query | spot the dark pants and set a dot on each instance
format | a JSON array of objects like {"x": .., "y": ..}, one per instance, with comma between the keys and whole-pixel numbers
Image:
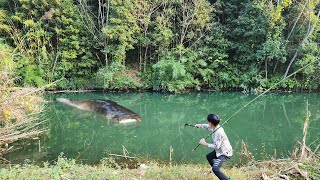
[{"x": 217, "y": 164}]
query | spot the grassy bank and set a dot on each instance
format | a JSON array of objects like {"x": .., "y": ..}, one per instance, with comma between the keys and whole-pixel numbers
[{"x": 68, "y": 169}]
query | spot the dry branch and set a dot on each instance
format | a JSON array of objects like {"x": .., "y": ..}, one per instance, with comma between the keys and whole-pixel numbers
[
  {"x": 292, "y": 168},
  {"x": 19, "y": 113},
  {"x": 245, "y": 153}
]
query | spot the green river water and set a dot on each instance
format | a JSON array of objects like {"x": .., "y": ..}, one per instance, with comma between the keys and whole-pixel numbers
[{"x": 270, "y": 125}]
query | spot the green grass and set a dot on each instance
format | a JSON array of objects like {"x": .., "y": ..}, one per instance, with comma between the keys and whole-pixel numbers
[{"x": 68, "y": 169}]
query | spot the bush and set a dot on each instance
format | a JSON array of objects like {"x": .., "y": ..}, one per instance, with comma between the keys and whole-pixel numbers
[
  {"x": 171, "y": 75},
  {"x": 116, "y": 77}
]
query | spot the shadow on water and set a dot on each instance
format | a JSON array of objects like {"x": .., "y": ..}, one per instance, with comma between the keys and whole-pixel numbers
[{"x": 274, "y": 121}]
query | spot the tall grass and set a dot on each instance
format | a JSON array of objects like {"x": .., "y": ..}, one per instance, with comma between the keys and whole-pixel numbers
[{"x": 304, "y": 163}]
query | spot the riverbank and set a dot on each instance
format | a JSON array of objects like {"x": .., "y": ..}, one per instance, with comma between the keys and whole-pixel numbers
[{"x": 68, "y": 169}]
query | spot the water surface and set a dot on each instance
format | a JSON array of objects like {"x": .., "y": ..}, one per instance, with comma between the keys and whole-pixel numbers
[{"x": 270, "y": 126}]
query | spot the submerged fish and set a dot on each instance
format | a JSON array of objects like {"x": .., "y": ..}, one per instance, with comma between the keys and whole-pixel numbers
[{"x": 108, "y": 108}]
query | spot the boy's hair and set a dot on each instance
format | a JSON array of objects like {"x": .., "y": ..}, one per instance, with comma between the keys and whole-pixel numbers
[{"x": 214, "y": 119}]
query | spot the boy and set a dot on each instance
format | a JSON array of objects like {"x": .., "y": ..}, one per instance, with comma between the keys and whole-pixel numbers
[{"x": 222, "y": 150}]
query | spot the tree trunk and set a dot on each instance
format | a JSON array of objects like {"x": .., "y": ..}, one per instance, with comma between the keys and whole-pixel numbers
[
  {"x": 295, "y": 23},
  {"x": 303, "y": 41}
]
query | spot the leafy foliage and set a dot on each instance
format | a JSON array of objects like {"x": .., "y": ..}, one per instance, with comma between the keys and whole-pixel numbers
[
  {"x": 225, "y": 45},
  {"x": 122, "y": 29},
  {"x": 170, "y": 75},
  {"x": 115, "y": 77},
  {"x": 49, "y": 47}
]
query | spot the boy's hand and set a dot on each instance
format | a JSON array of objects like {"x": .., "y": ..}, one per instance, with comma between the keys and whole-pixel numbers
[
  {"x": 197, "y": 125},
  {"x": 203, "y": 142}
]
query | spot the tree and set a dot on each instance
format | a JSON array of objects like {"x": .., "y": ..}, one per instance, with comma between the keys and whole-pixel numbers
[
  {"x": 122, "y": 29},
  {"x": 51, "y": 40}
]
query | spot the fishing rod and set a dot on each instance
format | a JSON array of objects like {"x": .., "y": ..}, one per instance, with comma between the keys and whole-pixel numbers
[{"x": 253, "y": 101}]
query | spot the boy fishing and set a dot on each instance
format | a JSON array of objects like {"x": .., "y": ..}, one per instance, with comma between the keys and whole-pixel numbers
[{"x": 222, "y": 149}]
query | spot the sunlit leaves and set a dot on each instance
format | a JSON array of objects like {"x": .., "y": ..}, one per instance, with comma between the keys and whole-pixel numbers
[
  {"x": 29, "y": 23},
  {"x": 3, "y": 27},
  {"x": 6, "y": 62}
]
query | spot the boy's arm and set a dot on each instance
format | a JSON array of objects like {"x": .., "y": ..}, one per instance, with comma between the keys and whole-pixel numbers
[
  {"x": 217, "y": 141},
  {"x": 205, "y": 126}
]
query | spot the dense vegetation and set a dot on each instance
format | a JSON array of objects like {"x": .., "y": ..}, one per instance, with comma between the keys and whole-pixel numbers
[
  {"x": 169, "y": 45},
  {"x": 19, "y": 107}
]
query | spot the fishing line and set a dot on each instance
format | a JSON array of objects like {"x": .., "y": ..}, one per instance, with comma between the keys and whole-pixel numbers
[
  {"x": 84, "y": 145},
  {"x": 252, "y": 102},
  {"x": 186, "y": 124}
]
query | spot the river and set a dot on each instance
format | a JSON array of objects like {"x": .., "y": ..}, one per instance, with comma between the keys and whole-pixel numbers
[{"x": 270, "y": 126}]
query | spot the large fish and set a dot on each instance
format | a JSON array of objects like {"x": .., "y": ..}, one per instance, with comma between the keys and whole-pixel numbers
[{"x": 108, "y": 108}]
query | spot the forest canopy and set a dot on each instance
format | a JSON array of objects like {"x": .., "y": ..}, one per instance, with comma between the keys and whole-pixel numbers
[{"x": 163, "y": 45}]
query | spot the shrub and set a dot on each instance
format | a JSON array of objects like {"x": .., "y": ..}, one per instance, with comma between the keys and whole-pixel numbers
[
  {"x": 116, "y": 77},
  {"x": 171, "y": 75}
]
